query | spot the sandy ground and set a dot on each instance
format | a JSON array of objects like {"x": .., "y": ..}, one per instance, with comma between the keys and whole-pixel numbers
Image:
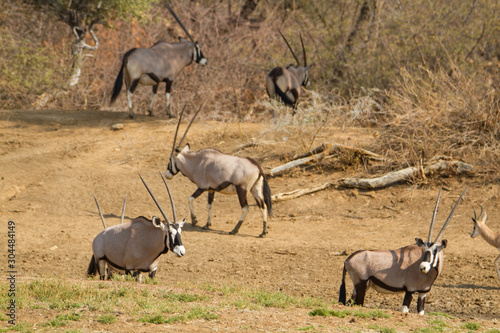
[{"x": 52, "y": 162}]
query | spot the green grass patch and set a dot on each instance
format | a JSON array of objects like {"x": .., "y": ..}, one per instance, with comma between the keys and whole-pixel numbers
[
  {"x": 193, "y": 314},
  {"x": 471, "y": 326},
  {"x": 323, "y": 312},
  {"x": 381, "y": 329},
  {"x": 106, "y": 319}
]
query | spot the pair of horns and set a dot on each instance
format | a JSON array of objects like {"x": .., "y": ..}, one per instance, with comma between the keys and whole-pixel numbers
[
  {"x": 179, "y": 21},
  {"x": 158, "y": 204},
  {"x": 440, "y": 234},
  {"x": 185, "y": 132},
  {"x": 477, "y": 216},
  {"x": 293, "y": 53},
  {"x": 102, "y": 216}
]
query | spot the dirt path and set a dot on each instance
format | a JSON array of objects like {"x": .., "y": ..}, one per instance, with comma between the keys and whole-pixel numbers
[{"x": 51, "y": 163}]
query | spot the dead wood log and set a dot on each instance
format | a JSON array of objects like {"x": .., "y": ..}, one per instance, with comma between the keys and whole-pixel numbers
[
  {"x": 299, "y": 192},
  {"x": 282, "y": 168},
  {"x": 406, "y": 174},
  {"x": 389, "y": 179}
]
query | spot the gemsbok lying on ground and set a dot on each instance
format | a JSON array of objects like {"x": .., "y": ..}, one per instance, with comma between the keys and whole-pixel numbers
[
  {"x": 284, "y": 83},
  {"x": 160, "y": 63},
  {"x": 136, "y": 247},
  {"x": 213, "y": 171},
  {"x": 480, "y": 228},
  {"x": 410, "y": 269}
]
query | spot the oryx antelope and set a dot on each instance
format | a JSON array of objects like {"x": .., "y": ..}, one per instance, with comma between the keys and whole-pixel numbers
[
  {"x": 213, "y": 171},
  {"x": 410, "y": 269},
  {"x": 135, "y": 247},
  {"x": 284, "y": 83},
  {"x": 480, "y": 228},
  {"x": 160, "y": 63}
]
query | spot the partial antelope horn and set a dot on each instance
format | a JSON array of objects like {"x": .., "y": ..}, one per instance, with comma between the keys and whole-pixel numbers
[
  {"x": 189, "y": 125},
  {"x": 178, "y": 21},
  {"x": 438, "y": 237},
  {"x": 156, "y": 202},
  {"x": 429, "y": 239},
  {"x": 303, "y": 51},
  {"x": 177, "y": 128},
  {"x": 123, "y": 209},
  {"x": 100, "y": 212},
  {"x": 174, "y": 213},
  {"x": 290, "y": 48}
]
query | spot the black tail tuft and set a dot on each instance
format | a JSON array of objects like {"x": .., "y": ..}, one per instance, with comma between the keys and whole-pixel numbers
[
  {"x": 342, "y": 292},
  {"x": 92, "y": 270},
  {"x": 119, "y": 79},
  {"x": 284, "y": 97},
  {"x": 267, "y": 197}
]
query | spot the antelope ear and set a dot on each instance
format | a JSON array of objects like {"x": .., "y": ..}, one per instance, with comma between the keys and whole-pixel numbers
[
  {"x": 420, "y": 242},
  {"x": 157, "y": 222},
  {"x": 181, "y": 223},
  {"x": 186, "y": 148},
  {"x": 444, "y": 242},
  {"x": 183, "y": 40}
]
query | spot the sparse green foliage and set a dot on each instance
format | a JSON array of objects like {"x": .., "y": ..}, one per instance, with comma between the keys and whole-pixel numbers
[
  {"x": 471, "y": 326},
  {"x": 106, "y": 319}
]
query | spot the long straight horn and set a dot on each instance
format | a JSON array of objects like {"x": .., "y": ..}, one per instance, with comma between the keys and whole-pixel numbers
[
  {"x": 123, "y": 209},
  {"x": 171, "y": 198},
  {"x": 429, "y": 239},
  {"x": 177, "y": 128},
  {"x": 303, "y": 51},
  {"x": 185, "y": 132},
  {"x": 290, "y": 48},
  {"x": 178, "y": 21},
  {"x": 156, "y": 202},
  {"x": 438, "y": 237},
  {"x": 100, "y": 212}
]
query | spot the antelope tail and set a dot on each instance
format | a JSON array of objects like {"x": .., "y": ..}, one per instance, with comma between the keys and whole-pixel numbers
[
  {"x": 92, "y": 270},
  {"x": 119, "y": 79},
  {"x": 267, "y": 197},
  {"x": 283, "y": 96},
  {"x": 342, "y": 296}
]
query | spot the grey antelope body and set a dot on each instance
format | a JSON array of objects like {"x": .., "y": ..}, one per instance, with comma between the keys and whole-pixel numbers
[
  {"x": 136, "y": 246},
  {"x": 410, "y": 269},
  {"x": 285, "y": 83},
  {"x": 151, "y": 66},
  {"x": 493, "y": 238},
  {"x": 213, "y": 171}
]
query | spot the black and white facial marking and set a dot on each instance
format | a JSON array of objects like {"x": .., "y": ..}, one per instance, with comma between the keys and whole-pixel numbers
[
  {"x": 198, "y": 55},
  {"x": 173, "y": 240},
  {"x": 431, "y": 254}
]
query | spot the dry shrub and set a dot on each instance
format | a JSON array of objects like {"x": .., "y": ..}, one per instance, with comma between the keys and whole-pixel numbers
[{"x": 442, "y": 113}]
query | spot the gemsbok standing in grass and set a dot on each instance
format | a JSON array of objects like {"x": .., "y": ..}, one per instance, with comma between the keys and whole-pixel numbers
[
  {"x": 410, "y": 269},
  {"x": 160, "y": 63},
  {"x": 480, "y": 228},
  {"x": 284, "y": 83},
  {"x": 135, "y": 247},
  {"x": 213, "y": 171}
]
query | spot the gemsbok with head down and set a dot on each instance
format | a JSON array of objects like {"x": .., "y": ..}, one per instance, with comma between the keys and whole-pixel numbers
[
  {"x": 213, "y": 171},
  {"x": 160, "y": 63},
  {"x": 284, "y": 83},
  {"x": 480, "y": 228},
  {"x": 135, "y": 247},
  {"x": 410, "y": 269}
]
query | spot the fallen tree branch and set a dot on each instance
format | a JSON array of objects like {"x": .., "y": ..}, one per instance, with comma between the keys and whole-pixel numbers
[
  {"x": 335, "y": 147},
  {"x": 299, "y": 192},
  {"x": 282, "y": 168},
  {"x": 389, "y": 179},
  {"x": 406, "y": 174}
]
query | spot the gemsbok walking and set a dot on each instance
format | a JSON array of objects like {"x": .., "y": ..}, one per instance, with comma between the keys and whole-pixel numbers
[
  {"x": 410, "y": 269},
  {"x": 135, "y": 247},
  {"x": 284, "y": 83},
  {"x": 213, "y": 171},
  {"x": 480, "y": 228},
  {"x": 160, "y": 63}
]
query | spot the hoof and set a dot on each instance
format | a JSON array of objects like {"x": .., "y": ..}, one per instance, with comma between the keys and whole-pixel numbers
[
  {"x": 132, "y": 116},
  {"x": 263, "y": 235},
  {"x": 194, "y": 222},
  {"x": 206, "y": 227},
  {"x": 170, "y": 115},
  {"x": 234, "y": 232}
]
